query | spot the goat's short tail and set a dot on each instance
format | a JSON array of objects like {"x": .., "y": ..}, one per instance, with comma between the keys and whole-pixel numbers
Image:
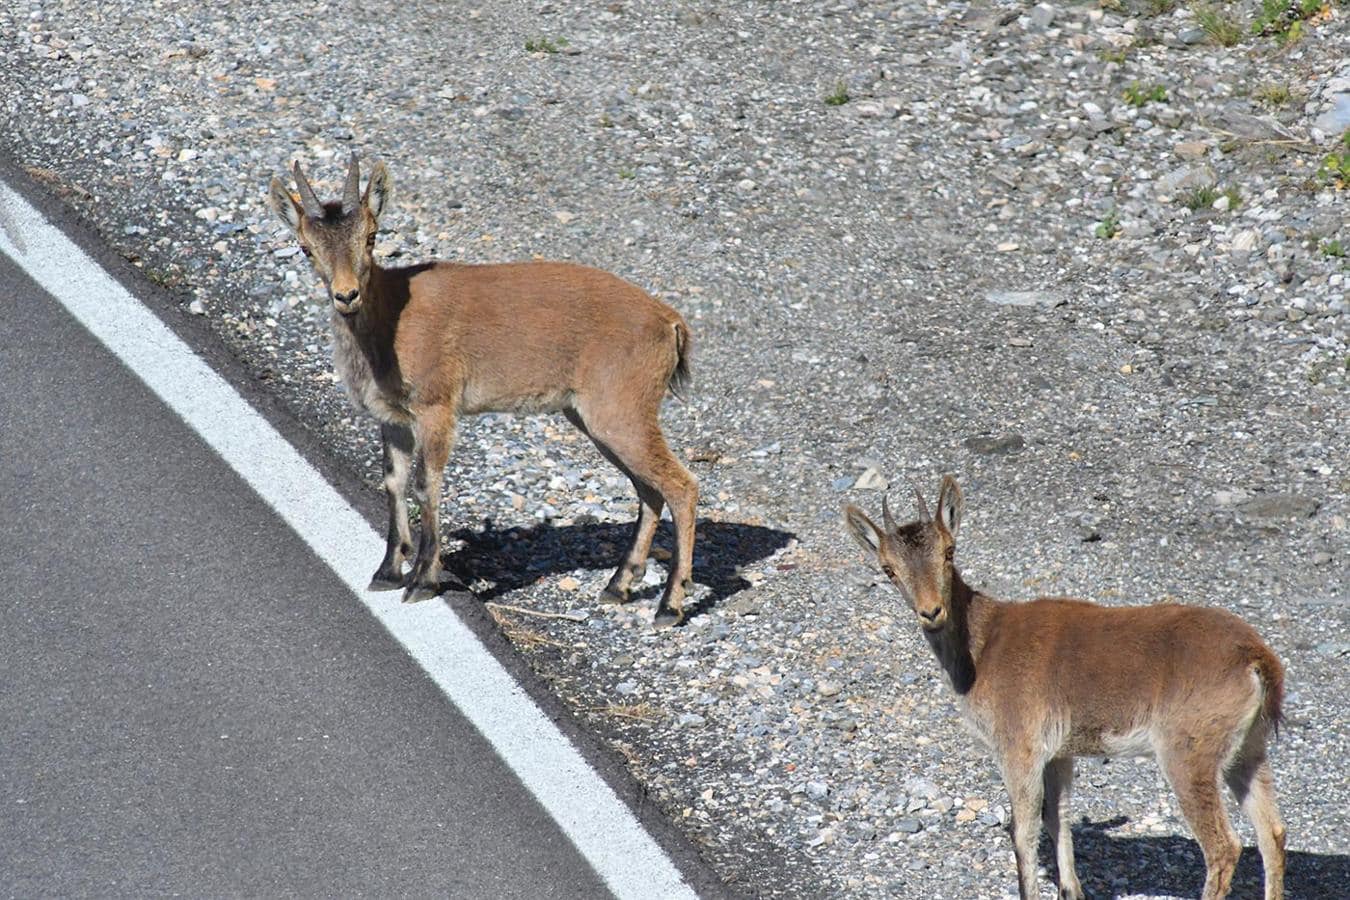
[
  {"x": 1271, "y": 672},
  {"x": 681, "y": 376}
]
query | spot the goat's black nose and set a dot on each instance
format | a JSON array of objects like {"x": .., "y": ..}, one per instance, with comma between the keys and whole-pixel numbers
[{"x": 346, "y": 297}]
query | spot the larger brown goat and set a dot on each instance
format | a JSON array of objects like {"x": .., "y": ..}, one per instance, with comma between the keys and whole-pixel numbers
[
  {"x": 419, "y": 346},
  {"x": 1045, "y": 681}
]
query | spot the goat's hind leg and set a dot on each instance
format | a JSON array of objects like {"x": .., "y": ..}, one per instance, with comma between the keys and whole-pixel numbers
[
  {"x": 1253, "y": 784},
  {"x": 1195, "y": 778},
  {"x": 1058, "y": 781},
  {"x": 634, "y": 564},
  {"x": 632, "y": 439},
  {"x": 398, "y": 455}
]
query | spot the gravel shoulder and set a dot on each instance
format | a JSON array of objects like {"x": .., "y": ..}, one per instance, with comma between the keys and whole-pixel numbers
[{"x": 1083, "y": 256}]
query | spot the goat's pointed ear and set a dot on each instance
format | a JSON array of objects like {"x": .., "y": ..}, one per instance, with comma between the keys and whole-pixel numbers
[
  {"x": 377, "y": 189},
  {"x": 950, "y": 505},
  {"x": 284, "y": 205},
  {"x": 864, "y": 531}
]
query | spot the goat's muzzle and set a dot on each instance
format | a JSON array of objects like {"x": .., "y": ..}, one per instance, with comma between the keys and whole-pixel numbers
[
  {"x": 932, "y": 619},
  {"x": 347, "y": 302}
]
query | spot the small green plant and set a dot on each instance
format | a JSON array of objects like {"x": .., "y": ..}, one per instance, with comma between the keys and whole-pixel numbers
[
  {"x": 1109, "y": 226},
  {"x": 1273, "y": 95},
  {"x": 1336, "y": 166},
  {"x": 627, "y": 174},
  {"x": 1333, "y": 249},
  {"x": 1320, "y": 370},
  {"x": 545, "y": 45},
  {"x": 1200, "y": 198},
  {"x": 839, "y": 96},
  {"x": 1139, "y": 94},
  {"x": 1283, "y": 19},
  {"x": 1117, "y": 55},
  {"x": 1161, "y": 7},
  {"x": 1234, "y": 198},
  {"x": 1222, "y": 28}
]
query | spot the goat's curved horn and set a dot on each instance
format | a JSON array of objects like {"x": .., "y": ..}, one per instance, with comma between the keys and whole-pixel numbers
[
  {"x": 886, "y": 519},
  {"x": 308, "y": 202},
  {"x": 351, "y": 193},
  {"x": 923, "y": 507}
]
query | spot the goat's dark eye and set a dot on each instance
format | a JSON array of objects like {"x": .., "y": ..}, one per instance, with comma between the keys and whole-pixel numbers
[
  {"x": 950, "y": 554},
  {"x": 888, "y": 571},
  {"x": 305, "y": 250}
]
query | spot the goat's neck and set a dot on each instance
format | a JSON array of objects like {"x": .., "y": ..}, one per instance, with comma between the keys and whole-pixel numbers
[{"x": 958, "y": 645}]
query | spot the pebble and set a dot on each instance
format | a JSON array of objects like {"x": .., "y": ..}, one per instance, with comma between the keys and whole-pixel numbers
[
  {"x": 829, "y": 688},
  {"x": 1042, "y": 16},
  {"x": 1191, "y": 149},
  {"x": 870, "y": 480},
  {"x": 1042, "y": 299}
]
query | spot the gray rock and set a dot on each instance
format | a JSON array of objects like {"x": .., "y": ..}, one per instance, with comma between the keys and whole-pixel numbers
[
  {"x": 1041, "y": 299},
  {"x": 1245, "y": 126},
  {"x": 1336, "y": 119},
  {"x": 871, "y": 480},
  {"x": 923, "y": 787},
  {"x": 873, "y": 109},
  {"x": 1186, "y": 178},
  {"x": 1042, "y": 16},
  {"x": 829, "y": 688},
  {"x": 909, "y": 825},
  {"x": 1280, "y": 506}
]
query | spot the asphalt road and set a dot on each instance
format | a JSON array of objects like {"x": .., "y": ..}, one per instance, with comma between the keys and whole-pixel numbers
[{"x": 192, "y": 702}]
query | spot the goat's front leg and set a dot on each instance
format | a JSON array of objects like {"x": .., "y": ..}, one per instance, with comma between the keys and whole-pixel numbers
[
  {"x": 435, "y": 431},
  {"x": 1026, "y": 791},
  {"x": 398, "y": 454}
]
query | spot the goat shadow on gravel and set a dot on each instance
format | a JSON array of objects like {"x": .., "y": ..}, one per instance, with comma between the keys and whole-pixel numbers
[
  {"x": 513, "y": 558},
  {"x": 1172, "y": 865}
]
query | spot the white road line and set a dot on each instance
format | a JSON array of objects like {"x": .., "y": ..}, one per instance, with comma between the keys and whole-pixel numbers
[{"x": 601, "y": 827}]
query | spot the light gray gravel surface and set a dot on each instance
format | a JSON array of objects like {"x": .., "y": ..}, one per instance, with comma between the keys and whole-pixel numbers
[{"x": 1122, "y": 326}]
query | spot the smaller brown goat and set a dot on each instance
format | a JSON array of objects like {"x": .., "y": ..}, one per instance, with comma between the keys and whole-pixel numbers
[
  {"x": 1051, "y": 679},
  {"x": 419, "y": 346}
]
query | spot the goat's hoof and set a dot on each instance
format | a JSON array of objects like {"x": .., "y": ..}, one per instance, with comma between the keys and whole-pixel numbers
[
  {"x": 667, "y": 616},
  {"x": 416, "y": 593},
  {"x": 382, "y": 581},
  {"x": 612, "y": 597}
]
